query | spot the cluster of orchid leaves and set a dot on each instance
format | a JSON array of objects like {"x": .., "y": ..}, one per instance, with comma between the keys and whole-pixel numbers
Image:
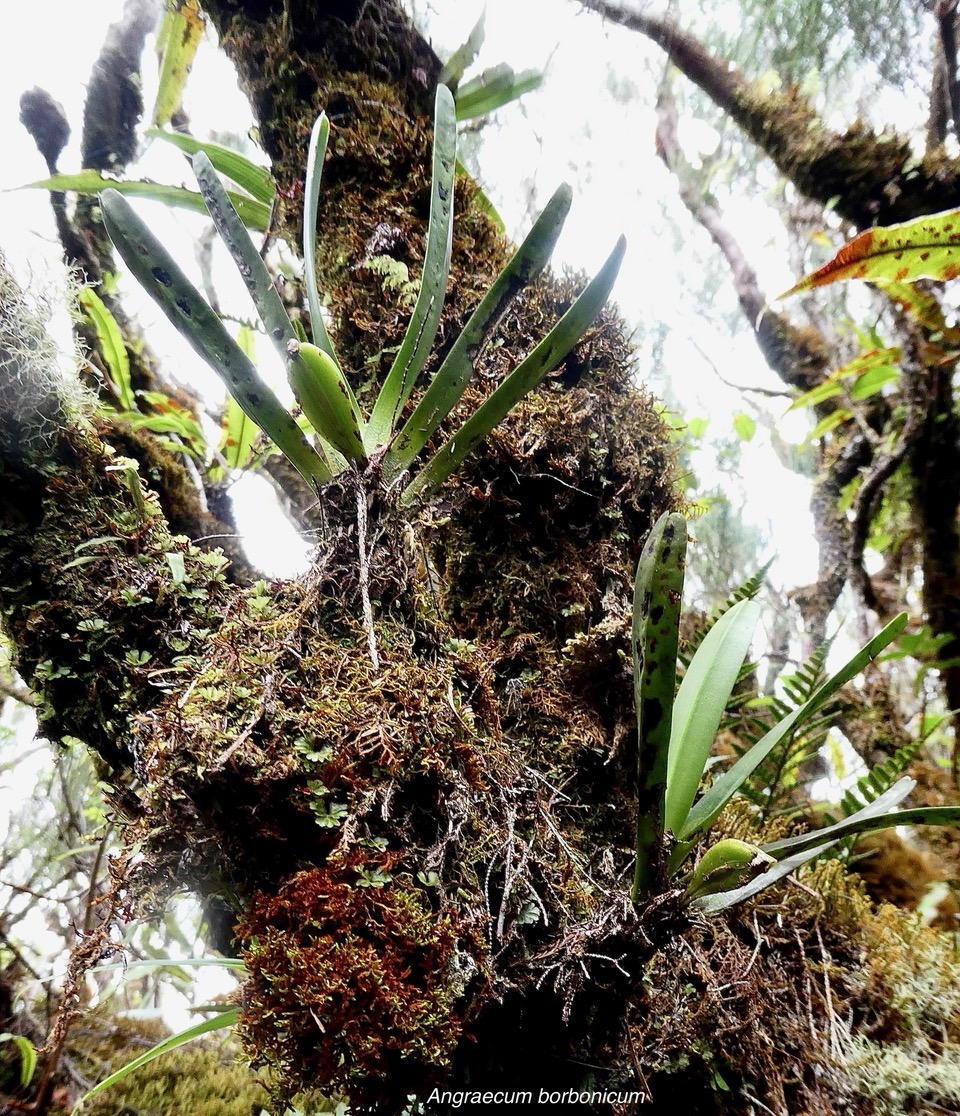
[
  {"x": 343, "y": 436},
  {"x": 676, "y": 729}
]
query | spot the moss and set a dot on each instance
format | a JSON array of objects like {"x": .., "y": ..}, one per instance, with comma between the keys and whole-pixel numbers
[
  {"x": 805, "y": 1006},
  {"x": 354, "y": 983},
  {"x": 203, "y": 1079},
  {"x": 95, "y": 658},
  {"x": 875, "y": 178}
]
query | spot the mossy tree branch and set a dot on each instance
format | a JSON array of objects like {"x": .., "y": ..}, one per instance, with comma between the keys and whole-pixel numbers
[{"x": 875, "y": 178}]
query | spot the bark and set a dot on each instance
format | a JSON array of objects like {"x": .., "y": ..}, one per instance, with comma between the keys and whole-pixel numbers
[{"x": 875, "y": 179}]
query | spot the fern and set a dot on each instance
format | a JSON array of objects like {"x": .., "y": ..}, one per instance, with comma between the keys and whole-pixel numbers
[
  {"x": 879, "y": 778},
  {"x": 771, "y": 786},
  {"x": 746, "y": 592}
]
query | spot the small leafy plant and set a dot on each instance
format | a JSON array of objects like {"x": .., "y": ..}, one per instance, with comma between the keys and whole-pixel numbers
[
  {"x": 344, "y": 436},
  {"x": 676, "y": 728},
  {"x": 224, "y": 1017}
]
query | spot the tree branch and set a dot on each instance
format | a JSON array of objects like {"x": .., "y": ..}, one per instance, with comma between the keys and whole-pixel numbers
[
  {"x": 798, "y": 355},
  {"x": 874, "y": 179},
  {"x": 946, "y": 15},
  {"x": 918, "y": 403}
]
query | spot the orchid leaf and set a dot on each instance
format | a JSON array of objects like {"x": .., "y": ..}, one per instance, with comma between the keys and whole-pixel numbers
[
  {"x": 239, "y": 431},
  {"x": 177, "y": 41},
  {"x": 253, "y": 270},
  {"x": 250, "y": 176},
  {"x": 465, "y": 54},
  {"x": 705, "y": 812},
  {"x": 871, "y": 818},
  {"x": 868, "y": 372},
  {"x": 111, "y": 346},
  {"x": 701, "y": 700},
  {"x": 418, "y": 340},
  {"x": 451, "y": 379},
  {"x": 808, "y": 848},
  {"x": 316, "y": 151},
  {"x": 494, "y": 88},
  {"x": 186, "y": 308},
  {"x": 254, "y": 214},
  {"x": 221, "y": 1021},
  {"x": 554, "y": 348},
  {"x": 28, "y": 1056},
  {"x": 655, "y": 635}
]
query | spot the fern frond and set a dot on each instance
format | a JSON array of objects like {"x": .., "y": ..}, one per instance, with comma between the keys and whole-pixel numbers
[{"x": 879, "y": 778}]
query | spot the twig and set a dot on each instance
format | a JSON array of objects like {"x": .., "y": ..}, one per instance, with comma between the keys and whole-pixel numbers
[{"x": 10, "y": 689}]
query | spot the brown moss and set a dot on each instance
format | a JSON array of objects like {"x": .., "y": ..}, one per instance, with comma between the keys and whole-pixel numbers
[{"x": 354, "y": 987}]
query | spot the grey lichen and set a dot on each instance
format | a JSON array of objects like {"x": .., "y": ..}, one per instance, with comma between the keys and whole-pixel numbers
[{"x": 40, "y": 393}]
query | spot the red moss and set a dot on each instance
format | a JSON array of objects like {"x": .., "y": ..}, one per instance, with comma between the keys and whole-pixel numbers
[{"x": 352, "y": 987}]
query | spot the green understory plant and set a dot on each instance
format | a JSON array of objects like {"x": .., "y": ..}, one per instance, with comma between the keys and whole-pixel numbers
[
  {"x": 224, "y": 1017},
  {"x": 676, "y": 728},
  {"x": 343, "y": 436}
]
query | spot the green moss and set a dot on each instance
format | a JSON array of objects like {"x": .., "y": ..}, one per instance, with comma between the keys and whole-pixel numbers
[{"x": 202, "y": 1079}]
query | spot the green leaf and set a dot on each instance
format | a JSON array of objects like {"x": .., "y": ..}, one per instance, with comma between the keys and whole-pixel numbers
[
  {"x": 494, "y": 88},
  {"x": 256, "y": 180},
  {"x": 135, "y": 968},
  {"x": 807, "y": 848},
  {"x": 869, "y": 818},
  {"x": 708, "y": 808},
  {"x": 168, "y": 417},
  {"x": 183, "y": 304},
  {"x": 319, "y": 135},
  {"x": 874, "y": 381},
  {"x": 465, "y": 54},
  {"x": 830, "y": 422},
  {"x": 451, "y": 379},
  {"x": 178, "y": 570},
  {"x": 111, "y": 345},
  {"x": 524, "y": 378},
  {"x": 700, "y": 703},
  {"x": 254, "y": 213},
  {"x": 180, "y": 33},
  {"x": 925, "y": 248},
  {"x": 253, "y": 271},
  {"x": 28, "y": 1056},
  {"x": 483, "y": 202},
  {"x": 219, "y": 1022},
  {"x": 418, "y": 340},
  {"x": 868, "y": 366},
  {"x": 239, "y": 432},
  {"x": 744, "y": 426},
  {"x": 657, "y": 593}
]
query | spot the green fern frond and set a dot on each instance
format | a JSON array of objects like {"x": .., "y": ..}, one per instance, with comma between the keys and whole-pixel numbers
[
  {"x": 772, "y": 785},
  {"x": 879, "y": 778},
  {"x": 745, "y": 592}
]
